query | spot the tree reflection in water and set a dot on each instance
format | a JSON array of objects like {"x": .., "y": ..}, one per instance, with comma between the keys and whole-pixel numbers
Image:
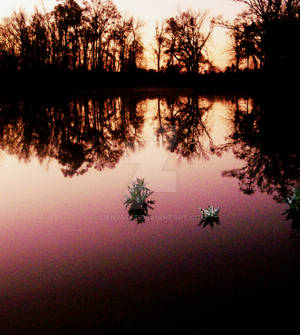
[
  {"x": 79, "y": 134},
  {"x": 265, "y": 137},
  {"x": 95, "y": 132},
  {"x": 183, "y": 126}
]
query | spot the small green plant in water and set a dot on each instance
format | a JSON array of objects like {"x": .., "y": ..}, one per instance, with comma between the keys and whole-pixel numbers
[
  {"x": 138, "y": 194},
  {"x": 210, "y": 212},
  {"x": 293, "y": 213},
  {"x": 137, "y": 202},
  {"x": 210, "y": 216},
  {"x": 294, "y": 200}
]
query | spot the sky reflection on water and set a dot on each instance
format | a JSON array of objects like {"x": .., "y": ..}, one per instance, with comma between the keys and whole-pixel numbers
[{"x": 72, "y": 259}]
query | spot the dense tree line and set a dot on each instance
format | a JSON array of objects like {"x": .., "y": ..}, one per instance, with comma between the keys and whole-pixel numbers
[
  {"x": 265, "y": 34},
  {"x": 93, "y": 35}
]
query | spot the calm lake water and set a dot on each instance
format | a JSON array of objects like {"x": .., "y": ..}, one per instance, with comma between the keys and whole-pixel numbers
[{"x": 73, "y": 261}]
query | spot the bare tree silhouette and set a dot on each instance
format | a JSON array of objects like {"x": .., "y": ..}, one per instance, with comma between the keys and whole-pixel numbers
[{"x": 186, "y": 40}]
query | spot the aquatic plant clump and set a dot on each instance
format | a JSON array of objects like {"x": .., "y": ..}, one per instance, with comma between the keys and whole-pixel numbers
[
  {"x": 293, "y": 212},
  {"x": 138, "y": 194},
  {"x": 210, "y": 216},
  {"x": 210, "y": 212},
  {"x": 137, "y": 203},
  {"x": 294, "y": 200}
]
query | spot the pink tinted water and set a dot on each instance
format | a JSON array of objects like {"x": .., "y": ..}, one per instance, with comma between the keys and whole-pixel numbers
[{"x": 70, "y": 253}]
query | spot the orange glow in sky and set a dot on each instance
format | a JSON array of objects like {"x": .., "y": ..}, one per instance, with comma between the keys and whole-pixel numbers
[{"x": 150, "y": 12}]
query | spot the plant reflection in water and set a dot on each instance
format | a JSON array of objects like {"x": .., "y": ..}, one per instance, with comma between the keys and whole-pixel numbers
[{"x": 137, "y": 203}]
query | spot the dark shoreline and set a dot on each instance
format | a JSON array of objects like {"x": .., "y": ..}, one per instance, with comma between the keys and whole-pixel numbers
[{"x": 43, "y": 84}]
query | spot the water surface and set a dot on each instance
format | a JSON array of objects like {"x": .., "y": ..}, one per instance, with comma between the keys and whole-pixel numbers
[{"x": 73, "y": 261}]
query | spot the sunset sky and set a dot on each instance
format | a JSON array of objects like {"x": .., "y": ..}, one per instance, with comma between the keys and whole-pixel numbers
[{"x": 152, "y": 11}]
